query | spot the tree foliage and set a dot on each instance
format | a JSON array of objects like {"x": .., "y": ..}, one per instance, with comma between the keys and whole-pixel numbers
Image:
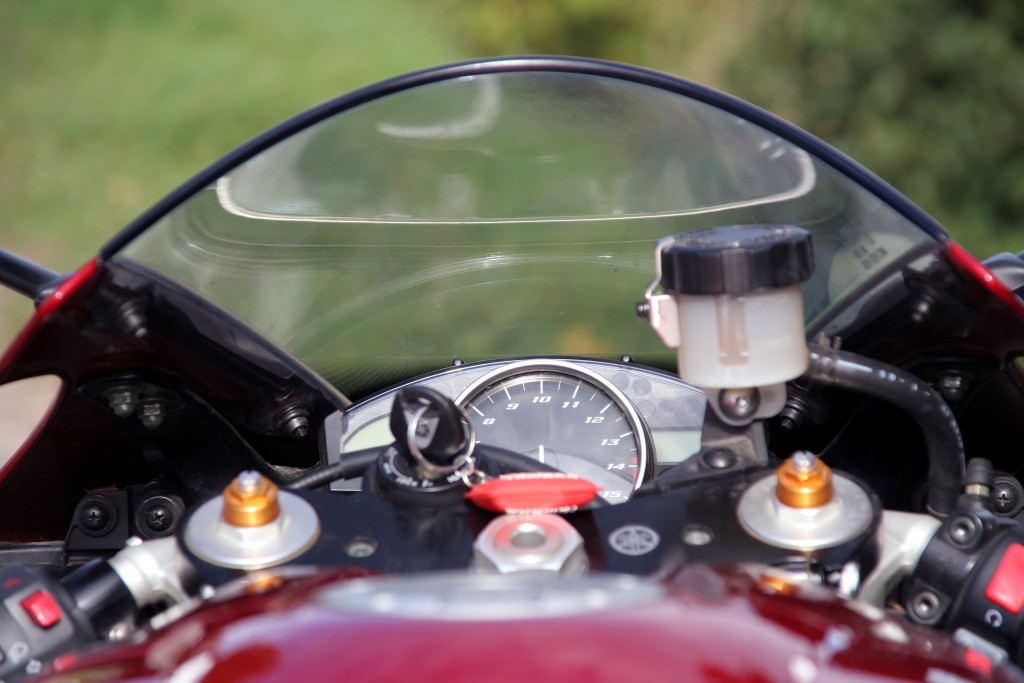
[{"x": 929, "y": 94}]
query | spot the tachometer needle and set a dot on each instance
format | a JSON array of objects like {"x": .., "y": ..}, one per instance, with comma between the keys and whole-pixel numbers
[{"x": 540, "y": 452}]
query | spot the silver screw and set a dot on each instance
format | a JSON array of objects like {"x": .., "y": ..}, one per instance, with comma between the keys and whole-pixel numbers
[
  {"x": 249, "y": 481},
  {"x": 151, "y": 414},
  {"x": 953, "y": 386},
  {"x": 926, "y": 607},
  {"x": 360, "y": 547},
  {"x": 804, "y": 461},
  {"x": 122, "y": 403},
  {"x": 739, "y": 404}
]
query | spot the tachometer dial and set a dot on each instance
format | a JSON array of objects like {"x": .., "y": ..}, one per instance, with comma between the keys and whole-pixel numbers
[{"x": 564, "y": 416}]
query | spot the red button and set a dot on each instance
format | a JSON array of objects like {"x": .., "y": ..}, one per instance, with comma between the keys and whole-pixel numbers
[
  {"x": 977, "y": 661},
  {"x": 42, "y": 609},
  {"x": 1006, "y": 588}
]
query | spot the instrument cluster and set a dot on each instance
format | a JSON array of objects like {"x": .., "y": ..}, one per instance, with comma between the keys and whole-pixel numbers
[{"x": 614, "y": 423}]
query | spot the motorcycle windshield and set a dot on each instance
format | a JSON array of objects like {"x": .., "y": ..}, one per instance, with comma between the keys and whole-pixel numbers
[{"x": 510, "y": 213}]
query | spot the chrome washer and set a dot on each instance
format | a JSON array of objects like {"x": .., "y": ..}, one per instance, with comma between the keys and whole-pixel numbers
[
  {"x": 215, "y": 541},
  {"x": 842, "y": 519}
]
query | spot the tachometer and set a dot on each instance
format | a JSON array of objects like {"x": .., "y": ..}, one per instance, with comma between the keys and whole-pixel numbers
[{"x": 564, "y": 416}]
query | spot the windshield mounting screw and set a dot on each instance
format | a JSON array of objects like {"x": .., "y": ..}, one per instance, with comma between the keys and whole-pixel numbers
[
  {"x": 132, "y": 319},
  {"x": 297, "y": 427},
  {"x": 294, "y": 422}
]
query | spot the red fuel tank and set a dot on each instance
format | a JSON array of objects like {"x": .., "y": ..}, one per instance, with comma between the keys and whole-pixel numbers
[{"x": 701, "y": 624}]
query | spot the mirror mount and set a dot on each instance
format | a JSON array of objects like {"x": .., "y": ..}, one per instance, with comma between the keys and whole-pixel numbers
[{"x": 26, "y": 277}]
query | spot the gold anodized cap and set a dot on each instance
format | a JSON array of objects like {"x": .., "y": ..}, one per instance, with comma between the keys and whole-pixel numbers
[
  {"x": 251, "y": 500},
  {"x": 804, "y": 481}
]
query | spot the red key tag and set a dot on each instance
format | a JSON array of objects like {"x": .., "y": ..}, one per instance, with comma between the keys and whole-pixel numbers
[{"x": 533, "y": 493}]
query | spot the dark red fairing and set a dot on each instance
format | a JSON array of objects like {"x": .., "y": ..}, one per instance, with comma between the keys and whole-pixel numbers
[
  {"x": 188, "y": 347},
  {"x": 715, "y": 625},
  {"x": 965, "y": 262}
]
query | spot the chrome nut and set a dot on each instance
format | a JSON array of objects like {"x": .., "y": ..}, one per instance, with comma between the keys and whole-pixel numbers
[{"x": 530, "y": 543}]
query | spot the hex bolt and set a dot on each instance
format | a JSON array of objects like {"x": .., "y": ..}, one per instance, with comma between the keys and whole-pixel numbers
[
  {"x": 294, "y": 423},
  {"x": 804, "y": 481},
  {"x": 298, "y": 428},
  {"x": 122, "y": 403},
  {"x": 963, "y": 531},
  {"x": 151, "y": 414},
  {"x": 953, "y": 386},
  {"x": 251, "y": 500},
  {"x": 926, "y": 607}
]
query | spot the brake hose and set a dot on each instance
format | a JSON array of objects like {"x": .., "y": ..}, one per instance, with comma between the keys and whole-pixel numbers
[{"x": 889, "y": 383}]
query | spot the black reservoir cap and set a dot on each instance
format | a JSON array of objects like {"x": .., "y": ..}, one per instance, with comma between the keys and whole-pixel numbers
[{"x": 737, "y": 259}]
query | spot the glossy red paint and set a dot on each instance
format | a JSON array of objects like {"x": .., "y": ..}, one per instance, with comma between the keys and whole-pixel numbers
[
  {"x": 712, "y": 625},
  {"x": 67, "y": 290},
  {"x": 75, "y": 283},
  {"x": 965, "y": 262}
]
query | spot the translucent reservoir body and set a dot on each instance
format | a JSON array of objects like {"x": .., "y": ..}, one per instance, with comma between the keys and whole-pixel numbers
[{"x": 751, "y": 340}]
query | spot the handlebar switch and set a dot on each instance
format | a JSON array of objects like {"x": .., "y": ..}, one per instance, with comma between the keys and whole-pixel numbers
[{"x": 38, "y": 621}]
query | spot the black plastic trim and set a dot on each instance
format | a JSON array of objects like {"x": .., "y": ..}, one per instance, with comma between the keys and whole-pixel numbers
[{"x": 26, "y": 277}]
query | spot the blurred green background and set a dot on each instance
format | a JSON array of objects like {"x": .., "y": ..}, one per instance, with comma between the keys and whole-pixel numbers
[{"x": 107, "y": 105}]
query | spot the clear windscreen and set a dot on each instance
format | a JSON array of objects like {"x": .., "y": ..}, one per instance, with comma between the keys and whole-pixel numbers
[{"x": 497, "y": 215}]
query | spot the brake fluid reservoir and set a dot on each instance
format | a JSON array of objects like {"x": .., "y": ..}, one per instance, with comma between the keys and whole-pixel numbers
[{"x": 733, "y": 305}]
